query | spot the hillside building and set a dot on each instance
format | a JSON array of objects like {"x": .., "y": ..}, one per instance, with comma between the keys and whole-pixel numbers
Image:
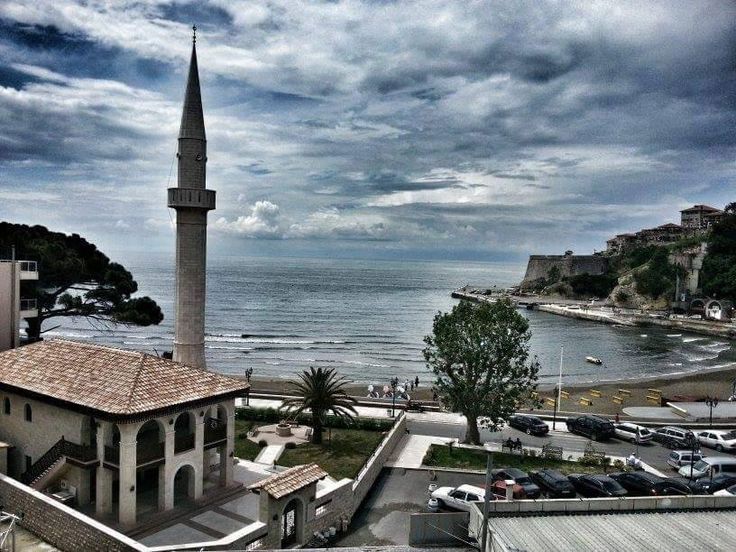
[{"x": 700, "y": 217}]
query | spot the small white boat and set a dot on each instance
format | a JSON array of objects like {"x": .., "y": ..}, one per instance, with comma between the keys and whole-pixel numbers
[{"x": 593, "y": 360}]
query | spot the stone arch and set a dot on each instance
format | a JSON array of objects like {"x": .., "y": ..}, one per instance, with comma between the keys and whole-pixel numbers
[
  {"x": 150, "y": 441},
  {"x": 292, "y": 522},
  {"x": 184, "y": 484},
  {"x": 184, "y": 432}
]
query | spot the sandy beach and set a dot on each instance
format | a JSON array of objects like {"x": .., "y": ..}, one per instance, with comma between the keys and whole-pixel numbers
[{"x": 676, "y": 386}]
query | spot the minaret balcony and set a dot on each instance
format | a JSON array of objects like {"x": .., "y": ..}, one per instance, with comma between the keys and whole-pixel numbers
[{"x": 191, "y": 198}]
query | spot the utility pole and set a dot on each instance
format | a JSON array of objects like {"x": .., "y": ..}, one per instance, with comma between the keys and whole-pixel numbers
[
  {"x": 487, "y": 499},
  {"x": 559, "y": 390}
]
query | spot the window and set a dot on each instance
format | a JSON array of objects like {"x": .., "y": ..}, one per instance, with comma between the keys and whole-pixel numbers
[
  {"x": 28, "y": 413},
  {"x": 458, "y": 494},
  {"x": 320, "y": 510},
  {"x": 6, "y": 405}
]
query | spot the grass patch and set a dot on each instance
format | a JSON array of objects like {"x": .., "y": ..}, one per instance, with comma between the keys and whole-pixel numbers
[
  {"x": 468, "y": 459},
  {"x": 244, "y": 447},
  {"x": 349, "y": 450}
]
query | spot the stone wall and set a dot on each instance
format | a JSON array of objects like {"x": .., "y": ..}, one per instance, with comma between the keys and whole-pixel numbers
[
  {"x": 539, "y": 266},
  {"x": 367, "y": 476},
  {"x": 60, "y": 525}
]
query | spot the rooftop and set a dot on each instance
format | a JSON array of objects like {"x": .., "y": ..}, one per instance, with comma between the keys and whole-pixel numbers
[
  {"x": 293, "y": 479},
  {"x": 698, "y": 208},
  {"x": 623, "y": 532},
  {"x": 108, "y": 380}
]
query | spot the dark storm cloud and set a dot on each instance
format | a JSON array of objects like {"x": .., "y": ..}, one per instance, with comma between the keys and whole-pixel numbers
[{"x": 508, "y": 126}]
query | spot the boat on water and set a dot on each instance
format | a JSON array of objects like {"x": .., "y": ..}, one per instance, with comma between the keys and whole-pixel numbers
[{"x": 593, "y": 360}]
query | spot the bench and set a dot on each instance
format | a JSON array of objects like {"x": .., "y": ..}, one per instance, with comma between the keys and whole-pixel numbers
[
  {"x": 552, "y": 451},
  {"x": 564, "y": 395},
  {"x": 654, "y": 391},
  {"x": 624, "y": 392},
  {"x": 550, "y": 401},
  {"x": 584, "y": 401},
  {"x": 596, "y": 393},
  {"x": 618, "y": 400},
  {"x": 511, "y": 445},
  {"x": 656, "y": 399}
]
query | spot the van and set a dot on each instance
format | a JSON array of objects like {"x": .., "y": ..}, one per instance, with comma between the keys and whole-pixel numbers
[
  {"x": 710, "y": 466},
  {"x": 591, "y": 426}
]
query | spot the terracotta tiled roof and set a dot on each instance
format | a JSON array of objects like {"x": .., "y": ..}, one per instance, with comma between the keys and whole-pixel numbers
[
  {"x": 291, "y": 480},
  {"x": 696, "y": 208},
  {"x": 109, "y": 380}
]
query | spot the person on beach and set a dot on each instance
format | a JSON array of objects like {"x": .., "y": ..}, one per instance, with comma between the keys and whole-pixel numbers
[{"x": 416, "y": 381}]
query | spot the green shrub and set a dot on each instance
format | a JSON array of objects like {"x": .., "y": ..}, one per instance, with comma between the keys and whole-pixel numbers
[
  {"x": 290, "y": 445},
  {"x": 658, "y": 276},
  {"x": 262, "y": 443},
  {"x": 598, "y": 285},
  {"x": 619, "y": 464}
]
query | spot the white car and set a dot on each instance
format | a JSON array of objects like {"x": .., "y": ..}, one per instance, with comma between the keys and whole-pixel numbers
[
  {"x": 459, "y": 498},
  {"x": 718, "y": 439},
  {"x": 633, "y": 433},
  {"x": 729, "y": 491},
  {"x": 679, "y": 458}
]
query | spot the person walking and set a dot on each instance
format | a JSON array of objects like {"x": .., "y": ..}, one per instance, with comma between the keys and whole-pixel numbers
[{"x": 416, "y": 381}]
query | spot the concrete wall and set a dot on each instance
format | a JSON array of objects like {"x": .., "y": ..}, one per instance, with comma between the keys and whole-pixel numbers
[
  {"x": 569, "y": 265},
  {"x": 7, "y": 311},
  {"x": 438, "y": 529},
  {"x": 60, "y": 525},
  {"x": 367, "y": 476},
  {"x": 38, "y": 436}
]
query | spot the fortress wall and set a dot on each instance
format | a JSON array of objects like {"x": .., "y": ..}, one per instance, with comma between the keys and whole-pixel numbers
[{"x": 569, "y": 265}]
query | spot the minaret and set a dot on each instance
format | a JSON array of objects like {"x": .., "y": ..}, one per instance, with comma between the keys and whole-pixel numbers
[{"x": 192, "y": 201}]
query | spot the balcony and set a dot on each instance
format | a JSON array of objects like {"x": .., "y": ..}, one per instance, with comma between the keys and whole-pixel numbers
[
  {"x": 191, "y": 198},
  {"x": 28, "y": 308},
  {"x": 28, "y": 270},
  {"x": 215, "y": 433},
  {"x": 183, "y": 443},
  {"x": 147, "y": 454}
]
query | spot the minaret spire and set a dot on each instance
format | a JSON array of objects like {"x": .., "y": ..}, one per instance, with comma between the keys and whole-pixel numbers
[{"x": 191, "y": 200}]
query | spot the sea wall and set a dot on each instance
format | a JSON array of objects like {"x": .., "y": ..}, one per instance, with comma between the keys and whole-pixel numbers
[{"x": 539, "y": 266}]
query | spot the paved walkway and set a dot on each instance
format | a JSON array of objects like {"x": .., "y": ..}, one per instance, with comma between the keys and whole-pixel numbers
[{"x": 269, "y": 454}]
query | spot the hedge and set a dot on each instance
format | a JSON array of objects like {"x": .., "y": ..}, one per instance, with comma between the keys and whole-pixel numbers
[{"x": 272, "y": 415}]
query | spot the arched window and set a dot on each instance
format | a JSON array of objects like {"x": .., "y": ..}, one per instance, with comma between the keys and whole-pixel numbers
[
  {"x": 28, "y": 413},
  {"x": 6, "y": 405}
]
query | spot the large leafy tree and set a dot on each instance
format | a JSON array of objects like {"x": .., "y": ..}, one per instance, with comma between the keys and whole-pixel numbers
[
  {"x": 77, "y": 279},
  {"x": 479, "y": 354},
  {"x": 320, "y": 391},
  {"x": 718, "y": 276}
]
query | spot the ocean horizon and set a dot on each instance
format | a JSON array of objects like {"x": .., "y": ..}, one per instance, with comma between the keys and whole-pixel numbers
[{"x": 368, "y": 318}]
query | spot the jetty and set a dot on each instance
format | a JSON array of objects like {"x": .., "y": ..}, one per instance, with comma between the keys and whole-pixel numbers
[{"x": 598, "y": 312}]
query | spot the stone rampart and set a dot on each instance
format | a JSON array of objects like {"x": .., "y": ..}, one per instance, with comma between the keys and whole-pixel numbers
[{"x": 539, "y": 266}]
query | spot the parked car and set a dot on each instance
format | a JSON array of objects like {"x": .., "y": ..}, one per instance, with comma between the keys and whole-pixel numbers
[
  {"x": 459, "y": 498},
  {"x": 730, "y": 491},
  {"x": 679, "y": 458},
  {"x": 520, "y": 477},
  {"x": 710, "y": 466},
  {"x": 500, "y": 489},
  {"x": 633, "y": 433},
  {"x": 553, "y": 483},
  {"x": 596, "y": 485},
  {"x": 648, "y": 484},
  {"x": 691, "y": 484},
  {"x": 718, "y": 482},
  {"x": 674, "y": 437},
  {"x": 718, "y": 439},
  {"x": 530, "y": 424},
  {"x": 597, "y": 428}
]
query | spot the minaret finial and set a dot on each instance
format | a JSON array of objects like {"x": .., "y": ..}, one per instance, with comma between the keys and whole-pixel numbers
[{"x": 194, "y": 34}]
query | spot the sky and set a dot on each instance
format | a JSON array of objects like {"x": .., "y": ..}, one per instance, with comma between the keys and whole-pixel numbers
[{"x": 481, "y": 130}]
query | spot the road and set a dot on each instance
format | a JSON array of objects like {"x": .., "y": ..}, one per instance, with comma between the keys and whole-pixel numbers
[{"x": 653, "y": 454}]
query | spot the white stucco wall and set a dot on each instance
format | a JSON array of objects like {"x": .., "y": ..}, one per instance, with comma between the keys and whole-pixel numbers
[{"x": 36, "y": 437}]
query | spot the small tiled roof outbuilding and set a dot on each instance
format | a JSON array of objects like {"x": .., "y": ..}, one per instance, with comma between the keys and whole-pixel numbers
[
  {"x": 291, "y": 480},
  {"x": 109, "y": 380}
]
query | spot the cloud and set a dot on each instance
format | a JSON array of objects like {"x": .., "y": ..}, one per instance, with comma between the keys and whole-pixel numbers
[
  {"x": 370, "y": 121},
  {"x": 262, "y": 222}
]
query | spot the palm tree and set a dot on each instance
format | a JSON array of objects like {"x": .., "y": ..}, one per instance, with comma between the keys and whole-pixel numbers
[{"x": 320, "y": 391}]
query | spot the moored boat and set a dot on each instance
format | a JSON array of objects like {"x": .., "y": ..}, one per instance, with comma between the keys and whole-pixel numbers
[{"x": 593, "y": 360}]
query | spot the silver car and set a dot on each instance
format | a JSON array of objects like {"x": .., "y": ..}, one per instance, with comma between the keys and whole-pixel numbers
[
  {"x": 679, "y": 458},
  {"x": 633, "y": 433}
]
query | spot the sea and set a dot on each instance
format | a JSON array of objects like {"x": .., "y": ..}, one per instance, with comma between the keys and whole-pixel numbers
[{"x": 367, "y": 319}]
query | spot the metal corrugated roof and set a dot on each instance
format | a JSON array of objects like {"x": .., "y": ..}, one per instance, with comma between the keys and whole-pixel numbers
[{"x": 621, "y": 532}]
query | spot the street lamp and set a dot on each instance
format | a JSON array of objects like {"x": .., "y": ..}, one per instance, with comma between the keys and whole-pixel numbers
[
  {"x": 694, "y": 445},
  {"x": 712, "y": 402},
  {"x": 394, "y": 385},
  {"x": 248, "y": 374}
]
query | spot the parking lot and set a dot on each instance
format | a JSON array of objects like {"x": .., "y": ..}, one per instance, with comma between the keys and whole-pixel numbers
[{"x": 383, "y": 519}]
